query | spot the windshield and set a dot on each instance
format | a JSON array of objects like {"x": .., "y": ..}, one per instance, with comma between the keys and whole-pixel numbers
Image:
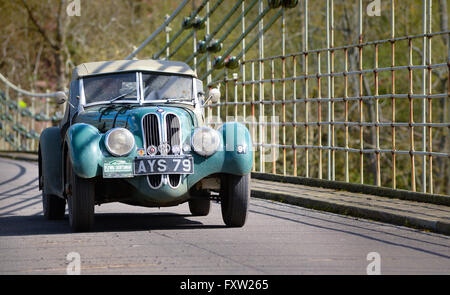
[
  {"x": 122, "y": 87},
  {"x": 112, "y": 87},
  {"x": 166, "y": 87}
]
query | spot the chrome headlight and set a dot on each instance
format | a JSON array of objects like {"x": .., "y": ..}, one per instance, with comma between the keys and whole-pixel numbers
[
  {"x": 205, "y": 141},
  {"x": 119, "y": 141}
]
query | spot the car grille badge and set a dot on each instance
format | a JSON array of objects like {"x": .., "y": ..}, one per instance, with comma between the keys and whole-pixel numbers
[
  {"x": 176, "y": 149},
  {"x": 152, "y": 150},
  {"x": 164, "y": 149},
  {"x": 141, "y": 152}
]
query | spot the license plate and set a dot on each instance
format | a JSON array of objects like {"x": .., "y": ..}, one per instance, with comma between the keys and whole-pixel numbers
[
  {"x": 117, "y": 168},
  {"x": 164, "y": 165}
]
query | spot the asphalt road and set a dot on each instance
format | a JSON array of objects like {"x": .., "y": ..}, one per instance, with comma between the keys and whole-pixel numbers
[{"x": 277, "y": 239}]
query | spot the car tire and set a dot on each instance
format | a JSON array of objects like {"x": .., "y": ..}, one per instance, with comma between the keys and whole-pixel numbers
[
  {"x": 234, "y": 198},
  {"x": 199, "y": 207},
  {"x": 53, "y": 206},
  {"x": 80, "y": 200}
]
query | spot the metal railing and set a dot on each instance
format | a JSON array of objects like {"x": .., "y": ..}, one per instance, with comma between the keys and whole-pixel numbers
[
  {"x": 21, "y": 124},
  {"x": 300, "y": 109}
]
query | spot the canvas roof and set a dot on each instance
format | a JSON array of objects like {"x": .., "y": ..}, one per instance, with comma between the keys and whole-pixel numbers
[{"x": 103, "y": 67}]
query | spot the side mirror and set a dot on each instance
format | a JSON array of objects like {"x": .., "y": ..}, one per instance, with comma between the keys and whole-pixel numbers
[
  {"x": 61, "y": 97},
  {"x": 214, "y": 95}
]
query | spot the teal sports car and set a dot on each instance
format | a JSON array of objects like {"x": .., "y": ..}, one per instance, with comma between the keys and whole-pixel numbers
[{"x": 134, "y": 132}]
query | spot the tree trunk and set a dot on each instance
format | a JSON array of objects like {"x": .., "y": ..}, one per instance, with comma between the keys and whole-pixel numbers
[
  {"x": 57, "y": 44},
  {"x": 60, "y": 43}
]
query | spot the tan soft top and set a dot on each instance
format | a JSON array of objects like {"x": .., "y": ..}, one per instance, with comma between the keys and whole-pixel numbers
[{"x": 103, "y": 67}]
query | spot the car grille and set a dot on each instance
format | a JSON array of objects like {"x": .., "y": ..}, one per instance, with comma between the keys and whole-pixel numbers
[
  {"x": 173, "y": 138},
  {"x": 154, "y": 136}
]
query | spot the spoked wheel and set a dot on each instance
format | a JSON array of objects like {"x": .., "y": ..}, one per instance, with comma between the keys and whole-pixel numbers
[
  {"x": 80, "y": 200},
  {"x": 234, "y": 197},
  {"x": 200, "y": 204}
]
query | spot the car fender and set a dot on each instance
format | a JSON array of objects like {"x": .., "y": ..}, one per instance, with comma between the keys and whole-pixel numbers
[
  {"x": 227, "y": 159},
  {"x": 50, "y": 161},
  {"x": 83, "y": 149},
  {"x": 234, "y": 135}
]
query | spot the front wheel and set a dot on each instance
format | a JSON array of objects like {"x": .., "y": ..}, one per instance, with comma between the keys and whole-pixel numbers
[
  {"x": 235, "y": 196},
  {"x": 80, "y": 199}
]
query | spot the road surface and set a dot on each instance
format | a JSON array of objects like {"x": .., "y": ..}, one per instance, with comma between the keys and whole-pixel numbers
[{"x": 277, "y": 239}]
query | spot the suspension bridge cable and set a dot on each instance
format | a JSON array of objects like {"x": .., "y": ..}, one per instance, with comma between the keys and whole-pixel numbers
[{"x": 158, "y": 30}]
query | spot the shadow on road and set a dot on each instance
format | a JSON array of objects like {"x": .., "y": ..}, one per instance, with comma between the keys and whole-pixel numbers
[
  {"x": 147, "y": 221},
  {"x": 104, "y": 222},
  {"x": 349, "y": 229},
  {"x": 22, "y": 171}
]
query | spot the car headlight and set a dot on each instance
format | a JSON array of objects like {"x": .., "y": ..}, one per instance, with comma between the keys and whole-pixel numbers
[
  {"x": 119, "y": 141},
  {"x": 205, "y": 141}
]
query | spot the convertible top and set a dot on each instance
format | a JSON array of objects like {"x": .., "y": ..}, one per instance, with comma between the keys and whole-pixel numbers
[{"x": 104, "y": 67}]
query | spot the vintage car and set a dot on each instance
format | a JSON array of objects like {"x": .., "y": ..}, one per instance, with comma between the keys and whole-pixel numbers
[{"x": 134, "y": 132}]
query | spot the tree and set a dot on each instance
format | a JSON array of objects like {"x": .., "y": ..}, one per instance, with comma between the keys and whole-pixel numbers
[{"x": 56, "y": 40}]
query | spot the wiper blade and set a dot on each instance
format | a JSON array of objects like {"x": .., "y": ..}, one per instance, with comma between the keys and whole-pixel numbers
[
  {"x": 166, "y": 100},
  {"x": 178, "y": 99},
  {"x": 121, "y": 96}
]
